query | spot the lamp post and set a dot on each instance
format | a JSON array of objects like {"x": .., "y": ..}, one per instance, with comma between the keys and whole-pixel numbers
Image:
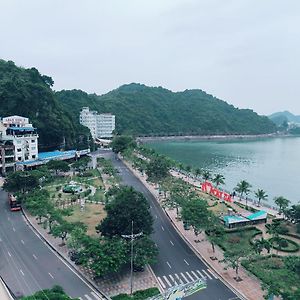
[{"x": 131, "y": 237}]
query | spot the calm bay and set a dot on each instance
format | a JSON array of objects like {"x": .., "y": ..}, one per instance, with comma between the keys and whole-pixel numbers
[{"x": 272, "y": 164}]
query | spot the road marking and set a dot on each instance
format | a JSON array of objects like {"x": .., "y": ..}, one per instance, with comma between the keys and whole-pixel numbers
[
  {"x": 51, "y": 275},
  {"x": 34, "y": 256},
  {"x": 22, "y": 272},
  {"x": 156, "y": 217},
  {"x": 206, "y": 274},
  {"x": 169, "y": 265},
  {"x": 88, "y": 297},
  {"x": 167, "y": 281},
  {"x": 8, "y": 218},
  {"x": 203, "y": 277},
  {"x": 187, "y": 281},
  {"x": 195, "y": 274},
  {"x": 176, "y": 275},
  {"x": 172, "y": 278},
  {"x": 9, "y": 254},
  {"x": 172, "y": 243},
  {"x": 212, "y": 273},
  {"x": 14, "y": 229},
  {"x": 162, "y": 228},
  {"x": 161, "y": 283},
  {"x": 0, "y": 240},
  {"x": 187, "y": 273},
  {"x": 22, "y": 242},
  {"x": 186, "y": 262},
  {"x": 96, "y": 296}
]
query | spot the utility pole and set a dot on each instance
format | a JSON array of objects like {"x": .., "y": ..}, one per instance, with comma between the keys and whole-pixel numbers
[{"x": 132, "y": 237}]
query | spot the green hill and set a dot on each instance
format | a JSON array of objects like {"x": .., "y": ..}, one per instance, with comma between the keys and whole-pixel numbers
[
  {"x": 142, "y": 110},
  {"x": 27, "y": 93},
  {"x": 284, "y": 116}
]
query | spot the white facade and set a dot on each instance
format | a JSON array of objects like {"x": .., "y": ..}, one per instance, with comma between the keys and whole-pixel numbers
[
  {"x": 100, "y": 125},
  {"x": 23, "y": 136}
]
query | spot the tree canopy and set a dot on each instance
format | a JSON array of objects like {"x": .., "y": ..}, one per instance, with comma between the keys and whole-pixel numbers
[{"x": 127, "y": 205}]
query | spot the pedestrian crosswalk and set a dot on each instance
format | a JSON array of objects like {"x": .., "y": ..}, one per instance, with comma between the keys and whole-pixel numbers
[
  {"x": 167, "y": 281},
  {"x": 91, "y": 296}
]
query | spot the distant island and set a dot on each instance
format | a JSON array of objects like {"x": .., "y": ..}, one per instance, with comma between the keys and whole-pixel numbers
[
  {"x": 140, "y": 110},
  {"x": 286, "y": 121}
]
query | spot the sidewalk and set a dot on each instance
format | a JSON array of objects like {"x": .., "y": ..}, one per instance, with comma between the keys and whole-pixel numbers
[
  {"x": 249, "y": 287},
  {"x": 197, "y": 183}
]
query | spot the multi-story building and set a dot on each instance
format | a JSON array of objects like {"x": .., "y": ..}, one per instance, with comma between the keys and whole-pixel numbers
[
  {"x": 100, "y": 125},
  {"x": 21, "y": 136}
]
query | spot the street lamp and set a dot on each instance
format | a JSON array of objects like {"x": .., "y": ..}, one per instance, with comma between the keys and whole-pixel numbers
[{"x": 131, "y": 237}]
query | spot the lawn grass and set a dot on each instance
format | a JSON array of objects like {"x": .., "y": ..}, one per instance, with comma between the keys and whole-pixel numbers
[
  {"x": 241, "y": 238},
  {"x": 91, "y": 216},
  {"x": 273, "y": 270}
]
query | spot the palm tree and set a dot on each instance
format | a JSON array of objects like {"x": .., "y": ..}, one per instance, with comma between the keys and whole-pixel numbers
[
  {"x": 261, "y": 195},
  {"x": 218, "y": 179},
  {"x": 242, "y": 188},
  {"x": 282, "y": 203},
  {"x": 198, "y": 172},
  {"x": 206, "y": 175}
]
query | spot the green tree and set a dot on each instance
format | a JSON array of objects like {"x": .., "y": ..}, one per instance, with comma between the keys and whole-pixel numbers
[
  {"x": 282, "y": 203},
  {"x": 198, "y": 172},
  {"x": 20, "y": 182},
  {"x": 243, "y": 188},
  {"x": 64, "y": 228},
  {"x": 293, "y": 214},
  {"x": 145, "y": 251},
  {"x": 121, "y": 143},
  {"x": 194, "y": 212},
  {"x": 218, "y": 179},
  {"x": 81, "y": 164},
  {"x": 206, "y": 175},
  {"x": 58, "y": 166},
  {"x": 233, "y": 257},
  {"x": 261, "y": 195},
  {"x": 157, "y": 169},
  {"x": 259, "y": 245},
  {"x": 56, "y": 293},
  {"x": 127, "y": 205}
]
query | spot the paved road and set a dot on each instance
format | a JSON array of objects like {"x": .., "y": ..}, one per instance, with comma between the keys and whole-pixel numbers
[
  {"x": 27, "y": 264},
  {"x": 176, "y": 262}
]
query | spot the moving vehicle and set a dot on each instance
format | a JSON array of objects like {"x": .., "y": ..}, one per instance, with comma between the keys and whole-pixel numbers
[{"x": 13, "y": 203}]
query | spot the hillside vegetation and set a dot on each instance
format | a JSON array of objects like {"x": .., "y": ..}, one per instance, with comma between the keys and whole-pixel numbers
[
  {"x": 142, "y": 110},
  {"x": 27, "y": 93}
]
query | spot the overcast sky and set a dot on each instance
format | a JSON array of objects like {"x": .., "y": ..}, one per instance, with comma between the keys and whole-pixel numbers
[{"x": 246, "y": 52}]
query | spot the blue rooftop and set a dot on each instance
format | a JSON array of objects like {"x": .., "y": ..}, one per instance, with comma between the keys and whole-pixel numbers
[
  {"x": 22, "y": 128},
  {"x": 56, "y": 154},
  {"x": 257, "y": 215},
  {"x": 234, "y": 219}
]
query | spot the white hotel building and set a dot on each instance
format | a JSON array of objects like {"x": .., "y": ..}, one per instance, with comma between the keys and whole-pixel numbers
[
  {"x": 100, "y": 125},
  {"x": 17, "y": 132}
]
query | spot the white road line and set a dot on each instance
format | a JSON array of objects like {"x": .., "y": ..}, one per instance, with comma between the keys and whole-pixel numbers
[
  {"x": 203, "y": 277},
  {"x": 172, "y": 243},
  {"x": 169, "y": 265},
  {"x": 195, "y": 274},
  {"x": 34, "y": 256},
  {"x": 162, "y": 228},
  {"x": 0, "y": 240},
  {"x": 187, "y": 273},
  {"x": 9, "y": 254},
  {"x": 88, "y": 297},
  {"x": 186, "y": 262},
  {"x": 8, "y": 219},
  {"x": 14, "y": 229},
  {"x": 178, "y": 278},
  {"x": 206, "y": 274},
  {"x": 187, "y": 281},
  {"x": 172, "y": 278},
  {"x": 161, "y": 283},
  {"x": 51, "y": 275},
  {"x": 212, "y": 273},
  {"x": 22, "y": 242},
  {"x": 22, "y": 272},
  {"x": 167, "y": 281},
  {"x": 96, "y": 296},
  {"x": 156, "y": 217}
]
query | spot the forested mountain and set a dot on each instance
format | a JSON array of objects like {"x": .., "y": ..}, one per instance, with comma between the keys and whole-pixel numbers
[
  {"x": 284, "y": 116},
  {"x": 142, "y": 110},
  {"x": 27, "y": 93}
]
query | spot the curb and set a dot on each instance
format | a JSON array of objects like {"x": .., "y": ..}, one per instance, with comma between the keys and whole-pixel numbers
[
  {"x": 84, "y": 278},
  {"x": 187, "y": 241}
]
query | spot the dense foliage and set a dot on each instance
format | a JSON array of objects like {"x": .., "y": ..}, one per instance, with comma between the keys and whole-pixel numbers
[
  {"x": 27, "y": 93},
  {"x": 142, "y": 110}
]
